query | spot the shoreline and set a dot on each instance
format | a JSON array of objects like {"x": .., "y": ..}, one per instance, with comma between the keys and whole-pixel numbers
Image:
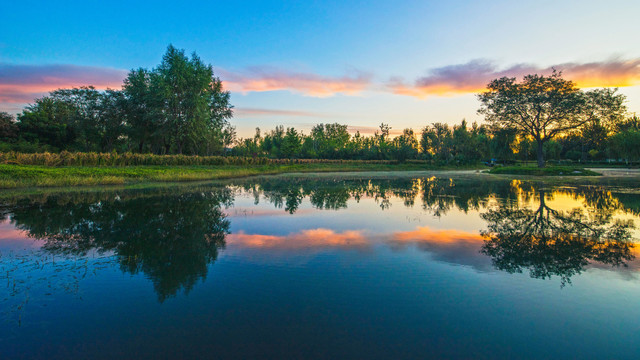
[
  {"x": 25, "y": 179},
  {"x": 40, "y": 177}
]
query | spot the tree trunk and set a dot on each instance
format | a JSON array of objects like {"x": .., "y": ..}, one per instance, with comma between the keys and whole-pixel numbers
[{"x": 540, "y": 154}]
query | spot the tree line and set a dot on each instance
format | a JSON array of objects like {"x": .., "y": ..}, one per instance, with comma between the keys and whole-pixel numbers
[
  {"x": 179, "y": 107},
  {"x": 442, "y": 143},
  {"x": 539, "y": 118}
]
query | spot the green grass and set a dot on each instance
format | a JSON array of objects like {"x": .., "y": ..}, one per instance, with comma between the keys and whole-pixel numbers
[
  {"x": 25, "y": 176},
  {"x": 546, "y": 171}
]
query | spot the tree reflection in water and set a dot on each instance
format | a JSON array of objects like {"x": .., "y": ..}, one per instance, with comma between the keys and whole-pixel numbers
[
  {"x": 173, "y": 235},
  {"x": 551, "y": 242},
  {"x": 169, "y": 237}
]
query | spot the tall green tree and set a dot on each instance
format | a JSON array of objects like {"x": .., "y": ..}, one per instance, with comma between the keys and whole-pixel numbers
[
  {"x": 194, "y": 106},
  {"x": 291, "y": 144},
  {"x": 143, "y": 126}
]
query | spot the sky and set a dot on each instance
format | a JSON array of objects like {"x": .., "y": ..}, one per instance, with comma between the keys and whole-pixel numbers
[{"x": 299, "y": 63}]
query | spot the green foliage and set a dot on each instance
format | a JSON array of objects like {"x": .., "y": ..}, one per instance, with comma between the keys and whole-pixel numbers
[
  {"x": 8, "y": 127},
  {"x": 48, "y": 122},
  {"x": 178, "y": 107},
  {"x": 626, "y": 145},
  {"x": 405, "y": 146},
  {"x": 543, "y": 107},
  {"x": 291, "y": 144}
]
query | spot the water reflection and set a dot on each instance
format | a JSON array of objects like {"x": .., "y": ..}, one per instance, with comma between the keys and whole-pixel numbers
[
  {"x": 171, "y": 238},
  {"x": 173, "y": 235},
  {"x": 551, "y": 242}
]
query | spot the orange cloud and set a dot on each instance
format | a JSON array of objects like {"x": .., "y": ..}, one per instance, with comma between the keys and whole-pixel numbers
[
  {"x": 259, "y": 79},
  {"x": 424, "y": 234},
  {"x": 306, "y": 239},
  {"x": 474, "y": 76}
]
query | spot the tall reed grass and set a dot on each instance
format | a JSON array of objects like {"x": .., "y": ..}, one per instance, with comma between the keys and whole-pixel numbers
[{"x": 66, "y": 158}]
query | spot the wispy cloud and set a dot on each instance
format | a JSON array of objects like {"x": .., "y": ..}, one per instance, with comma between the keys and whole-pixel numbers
[
  {"x": 259, "y": 79},
  {"x": 250, "y": 112},
  {"x": 474, "y": 76},
  {"x": 23, "y": 83}
]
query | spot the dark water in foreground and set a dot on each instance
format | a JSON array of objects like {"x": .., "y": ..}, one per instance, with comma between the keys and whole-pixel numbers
[{"x": 390, "y": 267}]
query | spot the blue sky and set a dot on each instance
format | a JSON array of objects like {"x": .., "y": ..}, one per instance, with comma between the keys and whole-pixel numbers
[{"x": 406, "y": 63}]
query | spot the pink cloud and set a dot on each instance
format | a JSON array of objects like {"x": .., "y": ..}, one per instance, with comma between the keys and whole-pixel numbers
[
  {"x": 25, "y": 82},
  {"x": 259, "y": 79},
  {"x": 473, "y": 77},
  {"x": 306, "y": 239},
  {"x": 22, "y": 84}
]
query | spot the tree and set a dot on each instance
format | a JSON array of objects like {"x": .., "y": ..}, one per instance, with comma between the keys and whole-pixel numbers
[
  {"x": 291, "y": 144},
  {"x": 437, "y": 140},
  {"x": 329, "y": 139},
  {"x": 626, "y": 145},
  {"x": 405, "y": 146},
  {"x": 191, "y": 100},
  {"x": 8, "y": 127},
  {"x": 544, "y": 107},
  {"x": 142, "y": 125},
  {"x": 110, "y": 122},
  {"x": 47, "y": 122},
  {"x": 83, "y": 115}
]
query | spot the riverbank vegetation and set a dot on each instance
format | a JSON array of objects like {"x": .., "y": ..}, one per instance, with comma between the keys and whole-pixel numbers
[{"x": 25, "y": 176}]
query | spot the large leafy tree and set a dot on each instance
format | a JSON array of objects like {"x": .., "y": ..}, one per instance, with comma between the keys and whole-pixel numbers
[
  {"x": 76, "y": 119},
  {"x": 543, "y": 107},
  {"x": 47, "y": 122},
  {"x": 190, "y": 98},
  {"x": 405, "y": 146},
  {"x": 329, "y": 139}
]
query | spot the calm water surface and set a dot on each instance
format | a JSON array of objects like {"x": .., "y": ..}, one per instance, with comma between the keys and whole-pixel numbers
[{"x": 324, "y": 266}]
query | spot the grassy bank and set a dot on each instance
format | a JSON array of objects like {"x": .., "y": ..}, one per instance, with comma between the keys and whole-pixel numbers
[
  {"x": 24, "y": 176},
  {"x": 546, "y": 171}
]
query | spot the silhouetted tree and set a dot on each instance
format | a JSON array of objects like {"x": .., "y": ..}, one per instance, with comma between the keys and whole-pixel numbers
[{"x": 544, "y": 107}]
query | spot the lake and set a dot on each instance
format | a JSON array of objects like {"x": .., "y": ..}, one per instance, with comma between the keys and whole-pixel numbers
[{"x": 387, "y": 266}]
